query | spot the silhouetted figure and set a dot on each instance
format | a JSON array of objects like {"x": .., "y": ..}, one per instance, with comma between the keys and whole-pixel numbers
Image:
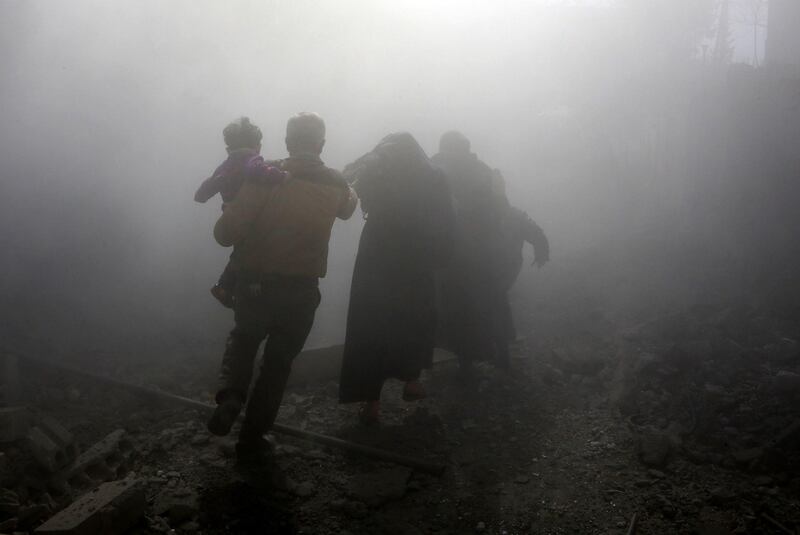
[
  {"x": 516, "y": 228},
  {"x": 391, "y": 322},
  {"x": 243, "y": 143},
  {"x": 469, "y": 283},
  {"x": 280, "y": 230}
]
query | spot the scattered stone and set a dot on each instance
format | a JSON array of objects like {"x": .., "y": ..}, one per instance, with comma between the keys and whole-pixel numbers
[
  {"x": 722, "y": 496},
  {"x": 110, "y": 509},
  {"x": 786, "y": 383},
  {"x": 199, "y": 440},
  {"x": 353, "y": 509},
  {"x": 31, "y": 515},
  {"x": 786, "y": 351},
  {"x": 654, "y": 449},
  {"x": 304, "y": 489},
  {"x": 317, "y": 455},
  {"x": 9, "y": 502},
  {"x": 45, "y": 450},
  {"x": 522, "y": 480},
  {"x": 14, "y": 423},
  {"x": 179, "y": 506},
  {"x": 377, "y": 488},
  {"x": 747, "y": 456},
  {"x": 9, "y": 525},
  {"x": 480, "y": 527},
  {"x": 763, "y": 481}
]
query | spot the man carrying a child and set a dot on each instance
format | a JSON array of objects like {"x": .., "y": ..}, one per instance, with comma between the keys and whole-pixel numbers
[{"x": 279, "y": 224}]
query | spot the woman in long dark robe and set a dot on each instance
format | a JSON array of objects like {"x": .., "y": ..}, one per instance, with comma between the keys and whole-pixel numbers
[{"x": 391, "y": 321}]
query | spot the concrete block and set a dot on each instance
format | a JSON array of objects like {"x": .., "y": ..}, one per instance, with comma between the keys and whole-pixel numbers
[
  {"x": 111, "y": 509},
  {"x": 14, "y": 423},
  {"x": 45, "y": 451},
  {"x": 97, "y": 454}
]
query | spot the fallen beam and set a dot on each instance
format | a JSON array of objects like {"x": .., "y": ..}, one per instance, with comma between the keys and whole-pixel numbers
[
  {"x": 633, "y": 524},
  {"x": 154, "y": 393}
]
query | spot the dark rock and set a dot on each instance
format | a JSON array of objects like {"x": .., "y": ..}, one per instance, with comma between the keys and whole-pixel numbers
[
  {"x": 722, "y": 496},
  {"x": 379, "y": 487},
  {"x": 304, "y": 489},
  {"x": 746, "y": 456},
  {"x": 179, "y": 506},
  {"x": 9, "y": 502},
  {"x": 654, "y": 449},
  {"x": 31, "y": 515},
  {"x": 786, "y": 383},
  {"x": 9, "y": 525}
]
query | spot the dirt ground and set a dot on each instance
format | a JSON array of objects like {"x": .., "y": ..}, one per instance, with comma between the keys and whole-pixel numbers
[
  {"x": 687, "y": 419},
  {"x": 537, "y": 450}
]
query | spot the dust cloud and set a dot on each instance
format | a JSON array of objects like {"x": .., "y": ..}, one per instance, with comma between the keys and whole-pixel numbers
[{"x": 660, "y": 161}]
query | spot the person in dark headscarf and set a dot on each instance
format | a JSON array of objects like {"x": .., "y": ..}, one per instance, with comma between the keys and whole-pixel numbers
[
  {"x": 391, "y": 321},
  {"x": 469, "y": 283}
]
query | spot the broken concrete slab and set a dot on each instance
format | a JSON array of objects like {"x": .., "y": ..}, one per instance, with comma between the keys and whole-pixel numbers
[
  {"x": 97, "y": 454},
  {"x": 112, "y": 508}
]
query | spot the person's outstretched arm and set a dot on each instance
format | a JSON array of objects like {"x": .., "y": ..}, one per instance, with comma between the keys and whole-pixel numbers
[{"x": 534, "y": 235}]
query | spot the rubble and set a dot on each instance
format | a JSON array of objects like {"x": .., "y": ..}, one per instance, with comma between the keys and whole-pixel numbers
[
  {"x": 14, "y": 423},
  {"x": 654, "y": 449},
  {"x": 51, "y": 444},
  {"x": 111, "y": 509}
]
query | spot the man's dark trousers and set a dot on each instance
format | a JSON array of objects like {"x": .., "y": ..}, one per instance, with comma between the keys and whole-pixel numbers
[{"x": 280, "y": 309}]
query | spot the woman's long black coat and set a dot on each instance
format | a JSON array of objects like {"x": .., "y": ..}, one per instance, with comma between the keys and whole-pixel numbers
[{"x": 391, "y": 322}]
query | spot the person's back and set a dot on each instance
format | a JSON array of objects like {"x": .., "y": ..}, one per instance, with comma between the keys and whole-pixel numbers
[
  {"x": 470, "y": 280},
  {"x": 391, "y": 320},
  {"x": 281, "y": 231}
]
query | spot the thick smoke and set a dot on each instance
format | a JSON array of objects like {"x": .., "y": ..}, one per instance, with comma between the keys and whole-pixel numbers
[{"x": 612, "y": 123}]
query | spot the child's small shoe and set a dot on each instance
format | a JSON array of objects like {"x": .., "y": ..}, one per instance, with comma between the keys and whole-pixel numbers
[{"x": 223, "y": 296}]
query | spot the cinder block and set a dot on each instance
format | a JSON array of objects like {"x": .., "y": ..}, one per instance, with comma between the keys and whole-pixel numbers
[
  {"x": 14, "y": 423},
  {"x": 110, "y": 509}
]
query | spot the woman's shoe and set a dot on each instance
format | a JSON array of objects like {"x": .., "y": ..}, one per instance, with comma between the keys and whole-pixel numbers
[
  {"x": 370, "y": 413},
  {"x": 413, "y": 391}
]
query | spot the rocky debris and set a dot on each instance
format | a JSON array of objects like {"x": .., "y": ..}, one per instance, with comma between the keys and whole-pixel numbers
[
  {"x": 654, "y": 449},
  {"x": 353, "y": 509},
  {"x": 381, "y": 486},
  {"x": 176, "y": 505},
  {"x": 728, "y": 378},
  {"x": 304, "y": 489},
  {"x": 112, "y": 508},
  {"x": 9, "y": 503},
  {"x": 14, "y": 423},
  {"x": 786, "y": 383},
  {"x": 51, "y": 444},
  {"x": 578, "y": 359}
]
